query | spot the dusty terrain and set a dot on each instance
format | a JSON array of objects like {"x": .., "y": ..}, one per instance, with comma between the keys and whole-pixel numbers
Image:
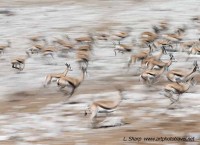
[{"x": 32, "y": 114}]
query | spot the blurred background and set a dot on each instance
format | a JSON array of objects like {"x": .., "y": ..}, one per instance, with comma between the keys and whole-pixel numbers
[{"x": 31, "y": 114}]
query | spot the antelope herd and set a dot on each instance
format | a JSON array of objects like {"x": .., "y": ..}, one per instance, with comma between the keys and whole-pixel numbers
[{"x": 152, "y": 68}]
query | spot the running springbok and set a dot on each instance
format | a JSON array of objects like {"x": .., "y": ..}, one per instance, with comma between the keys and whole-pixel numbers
[
  {"x": 121, "y": 48},
  {"x": 149, "y": 77},
  {"x": 155, "y": 57},
  {"x": 104, "y": 104},
  {"x": 19, "y": 62},
  {"x": 73, "y": 82},
  {"x": 51, "y": 76},
  {"x": 172, "y": 75},
  {"x": 155, "y": 63},
  {"x": 139, "y": 56},
  {"x": 178, "y": 88}
]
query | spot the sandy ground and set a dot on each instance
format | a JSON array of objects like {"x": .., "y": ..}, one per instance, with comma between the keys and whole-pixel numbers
[{"x": 31, "y": 114}]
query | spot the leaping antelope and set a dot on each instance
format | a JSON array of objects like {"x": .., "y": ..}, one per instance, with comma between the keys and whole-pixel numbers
[
  {"x": 182, "y": 74},
  {"x": 121, "y": 48},
  {"x": 73, "y": 82},
  {"x": 51, "y": 76},
  {"x": 155, "y": 57},
  {"x": 160, "y": 64},
  {"x": 178, "y": 88},
  {"x": 139, "y": 56},
  {"x": 148, "y": 38},
  {"x": 150, "y": 76},
  {"x": 175, "y": 37},
  {"x": 104, "y": 104},
  {"x": 3, "y": 47},
  {"x": 162, "y": 42},
  {"x": 19, "y": 62}
]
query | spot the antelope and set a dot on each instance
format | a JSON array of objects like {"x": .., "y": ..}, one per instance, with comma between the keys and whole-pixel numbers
[
  {"x": 3, "y": 47},
  {"x": 163, "y": 25},
  {"x": 49, "y": 77},
  {"x": 178, "y": 88},
  {"x": 36, "y": 48},
  {"x": 83, "y": 57},
  {"x": 185, "y": 46},
  {"x": 155, "y": 57},
  {"x": 139, "y": 56},
  {"x": 162, "y": 42},
  {"x": 67, "y": 45},
  {"x": 195, "y": 49},
  {"x": 48, "y": 51},
  {"x": 74, "y": 82},
  {"x": 160, "y": 64},
  {"x": 175, "y": 37},
  {"x": 182, "y": 74},
  {"x": 36, "y": 38},
  {"x": 19, "y": 62},
  {"x": 148, "y": 38},
  {"x": 196, "y": 19},
  {"x": 85, "y": 48},
  {"x": 104, "y": 104},
  {"x": 122, "y": 34},
  {"x": 121, "y": 48},
  {"x": 149, "y": 76},
  {"x": 86, "y": 39}
]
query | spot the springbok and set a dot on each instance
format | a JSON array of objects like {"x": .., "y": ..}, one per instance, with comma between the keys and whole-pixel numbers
[
  {"x": 155, "y": 57},
  {"x": 139, "y": 56},
  {"x": 104, "y": 104},
  {"x": 195, "y": 49},
  {"x": 149, "y": 77},
  {"x": 68, "y": 46},
  {"x": 148, "y": 38},
  {"x": 178, "y": 88},
  {"x": 175, "y": 37},
  {"x": 51, "y": 76},
  {"x": 82, "y": 58},
  {"x": 19, "y": 62},
  {"x": 86, "y": 39},
  {"x": 73, "y": 82},
  {"x": 119, "y": 36},
  {"x": 162, "y": 26},
  {"x": 172, "y": 75},
  {"x": 155, "y": 63},
  {"x": 121, "y": 48}
]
